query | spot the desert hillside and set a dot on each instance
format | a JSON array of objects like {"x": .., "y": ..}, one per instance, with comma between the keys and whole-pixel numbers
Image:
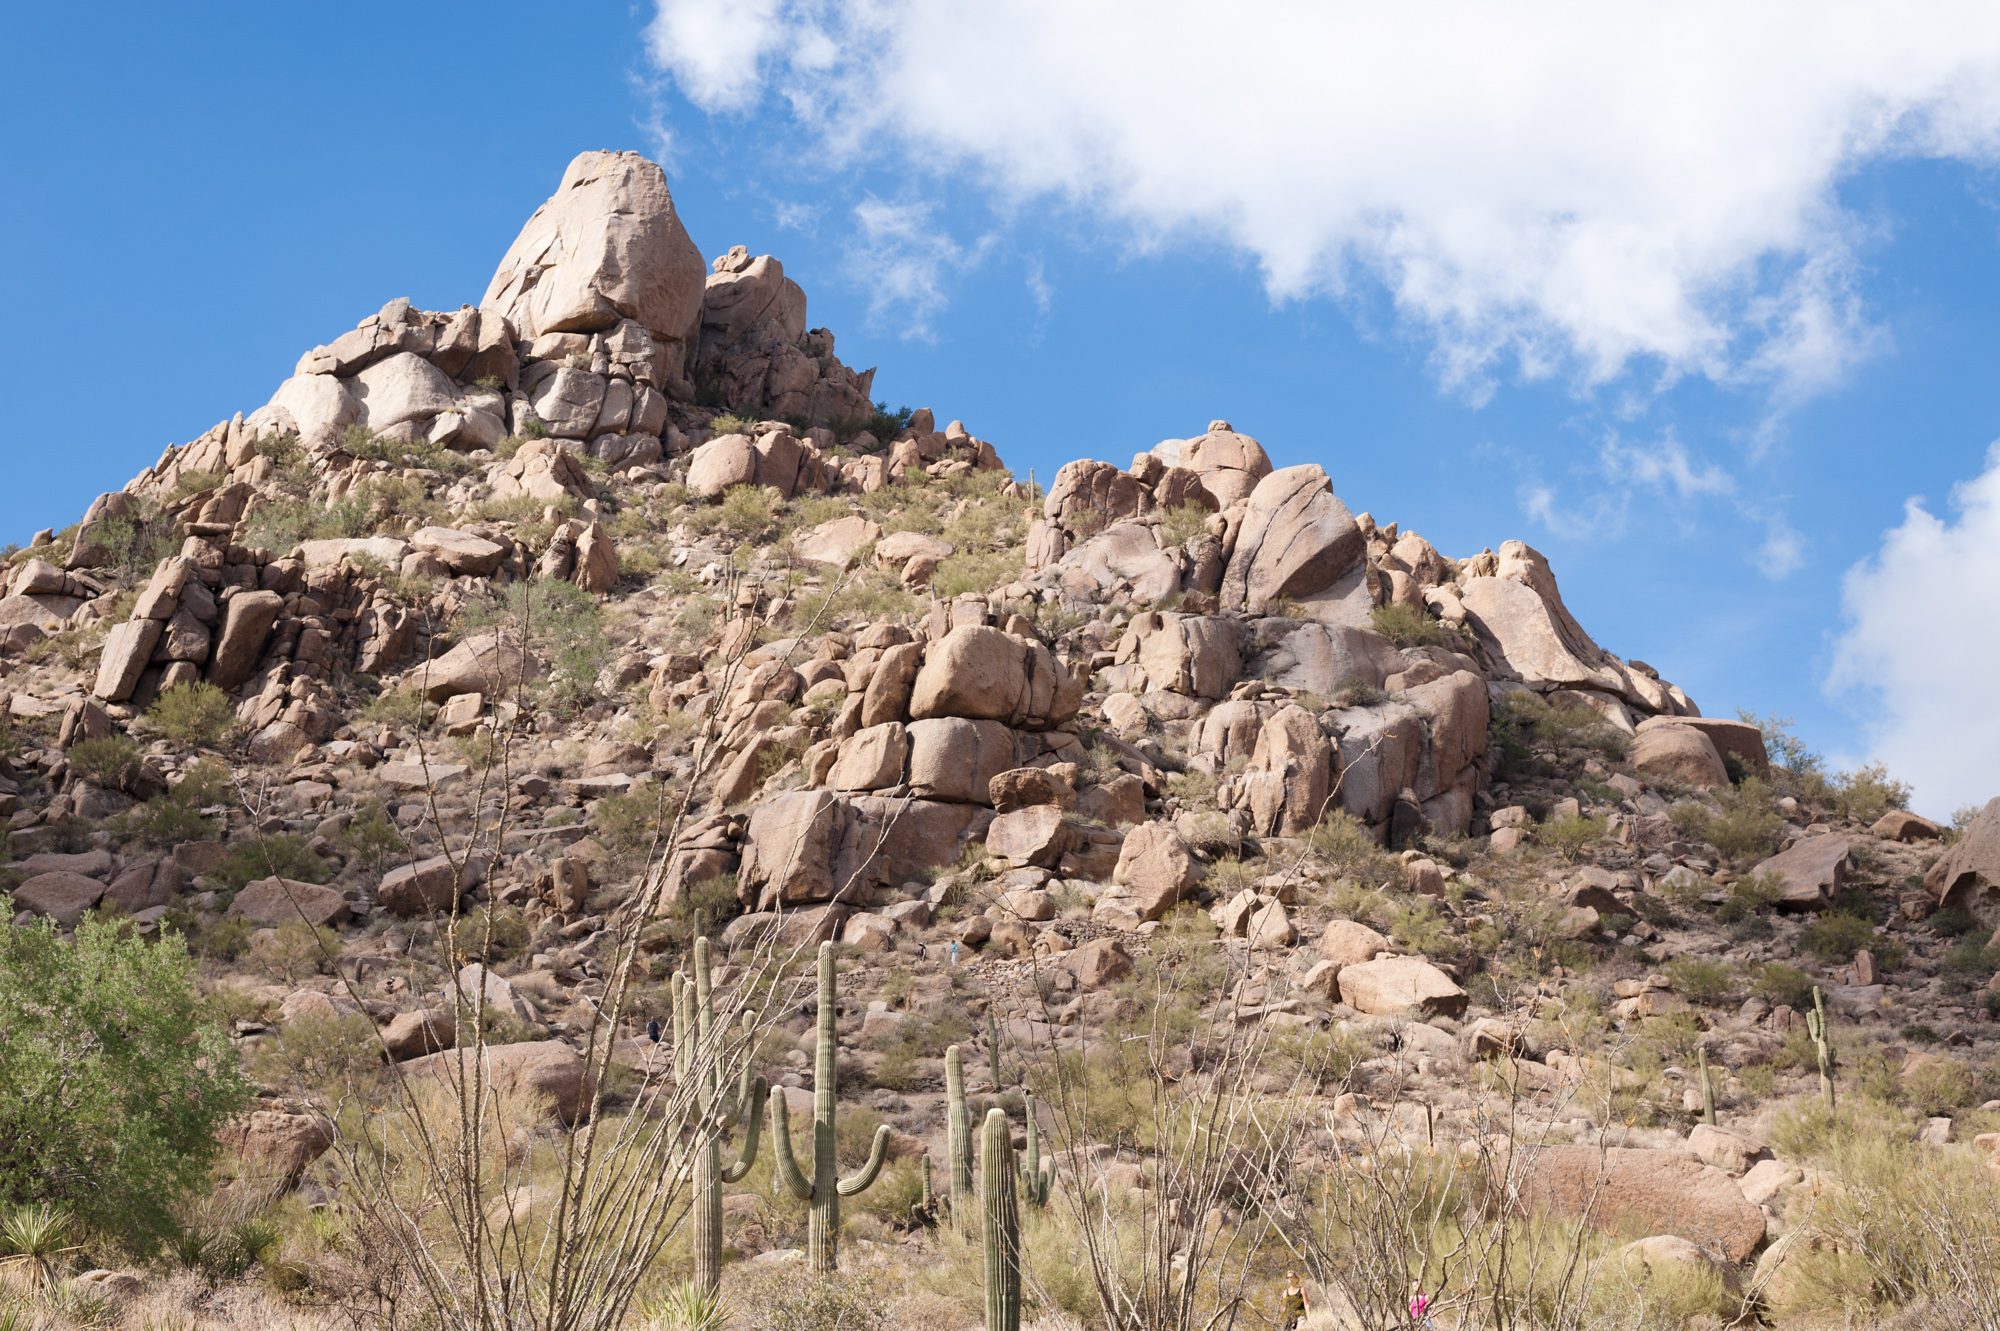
[{"x": 573, "y": 815}]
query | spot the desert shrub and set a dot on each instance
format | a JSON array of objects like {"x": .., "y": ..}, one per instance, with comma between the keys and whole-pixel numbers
[
  {"x": 399, "y": 709},
  {"x": 836, "y": 1303},
  {"x": 175, "y": 814},
  {"x": 333, "y": 1055},
  {"x": 371, "y": 838},
  {"x": 191, "y": 483},
  {"x": 1940, "y": 1084},
  {"x": 1749, "y": 896},
  {"x": 1407, "y": 627},
  {"x": 1700, "y": 980},
  {"x": 1182, "y": 523},
  {"x": 493, "y": 933},
  {"x": 730, "y": 423},
  {"x": 564, "y": 626},
  {"x": 1567, "y": 838},
  {"x": 1867, "y": 793},
  {"x": 749, "y": 513},
  {"x": 197, "y": 713},
  {"x": 111, "y": 761},
  {"x": 885, "y": 423},
  {"x": 975, "y": 571},
  {"x": 293, "y": 951},
  {"x": 1778, "y": 983},
  {"x": 1837, "y": 936},
  {"x": 114, "y": 1076},
  {"x": 1347, "y": 848},
  {"x": 1522, "y": 722},
  {"x": 279, "y": 854},
  {"x": 627, "y": 823},
  {"x": 1896, "y": 1223}
]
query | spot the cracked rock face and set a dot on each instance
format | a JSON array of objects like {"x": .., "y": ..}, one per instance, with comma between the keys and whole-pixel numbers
[{"x": 606, "y": 247}]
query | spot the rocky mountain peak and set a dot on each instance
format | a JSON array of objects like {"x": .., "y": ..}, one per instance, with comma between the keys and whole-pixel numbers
[{"x": 447, "y": 623}]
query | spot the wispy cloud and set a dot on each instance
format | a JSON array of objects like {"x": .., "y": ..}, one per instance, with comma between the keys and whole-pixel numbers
[
  {"x": 1039, "y": 289},
  {"x": 903, "y": 259}
]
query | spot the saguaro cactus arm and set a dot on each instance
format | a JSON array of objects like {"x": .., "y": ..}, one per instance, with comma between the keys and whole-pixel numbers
[
  {"x": 753, "y": 1125},
  {"x": 878, "y": 1151},
  {"x": 781, "y": 1148}
]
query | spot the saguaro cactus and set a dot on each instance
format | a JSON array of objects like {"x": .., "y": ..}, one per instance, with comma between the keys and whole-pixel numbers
[
  {"x": 825, "y": 1188},
  {"x": 958, "y": 1136},
  {"x": 694, "y": 1021},
  {"x": 1036, "y": 1178},
  {"x": 993, "y": 1049},
  {"x": 1002, "y": 1218},
  {"x": 1707, "y": 1086},
  {"x": 1822, "y": 1040}
]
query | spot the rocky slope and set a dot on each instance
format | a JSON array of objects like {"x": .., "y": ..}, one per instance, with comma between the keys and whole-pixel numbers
[{"x": 632, "y": 517}]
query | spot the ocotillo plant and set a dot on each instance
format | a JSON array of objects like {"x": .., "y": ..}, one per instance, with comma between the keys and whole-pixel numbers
[
  {"x": 1707, "y": 1086},
  {"x": 1822, "y": 1045},
  {"x": 694, "y": 1022},
  {"x": 1002, "y": 1218},
  {"x": 1035, "y": 1179},
  {"x": 958, "y": 1136},
  {"x": 825, "y": 1188}
]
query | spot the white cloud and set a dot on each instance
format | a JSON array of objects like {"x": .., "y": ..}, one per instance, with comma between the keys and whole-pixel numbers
[
  {"x": 1663, "y": 465},
  {"x": 1564, "y": 189},
  {"x": 1783, "y": 551},
  {"x": 1040, "y": 289},
  {"x": 716, "y": 50},
  {"x": 903, "y": 260},
  {"x": 1921, "y": 643}
]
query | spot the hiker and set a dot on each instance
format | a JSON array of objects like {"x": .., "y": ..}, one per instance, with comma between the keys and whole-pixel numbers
[
  {"x": 954, "y": 952},
  {"x": 1296, "y": 1306},
  {"x": 1420, "y": 1307},
  {"x": 653, "y": 1030}
]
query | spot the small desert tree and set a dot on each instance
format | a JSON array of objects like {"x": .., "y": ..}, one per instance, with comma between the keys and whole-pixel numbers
[{"x": 114, "y": 1076}]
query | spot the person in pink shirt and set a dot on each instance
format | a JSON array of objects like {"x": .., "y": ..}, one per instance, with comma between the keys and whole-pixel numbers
[{"x": 1420, "y": 1307}]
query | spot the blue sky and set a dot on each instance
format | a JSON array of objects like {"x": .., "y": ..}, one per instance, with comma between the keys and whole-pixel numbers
[{"x": 1696, "y": 310}]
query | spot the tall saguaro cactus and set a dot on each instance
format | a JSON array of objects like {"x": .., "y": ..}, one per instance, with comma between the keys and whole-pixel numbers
[
  {"x": 1707, "y": 1086},
  {"x": 1822, "y": 1040},
  {"x": 958, "y": 1136},
  {"x": 1002, "y": 1217},
  {"x": 694, "y": 1025},
  {"x": 825, "y": 1188}
]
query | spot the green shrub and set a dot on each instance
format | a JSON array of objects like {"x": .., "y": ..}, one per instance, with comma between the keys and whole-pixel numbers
[
  {"x": 1349, "y": 850},
  {"x": 564, "y": 626},
  {"x": 197, "y": 713},
  {"x": 114, "y": 1077},
  {"x": 1702, "y": 981},
  {"x": 1867, "y": 793},
  {"x": 280, "y": 855},
  {"x": 1779, "y": 984},
  {"x": 1182, "y": 523},
  {"x": 293, "y": 951},
  {"x": 885, "y": 424},
  {"x": 111, "y": 761},
  {"x": 175, "y": 814},
  {"x": 1567, "y": 838},
  {"x": 1749, "y": 896},
  {"x": 1837, "y": 936},
  {"x": 1407, "y": 627},
  {"x": 730, "y": 423},
  {"x": 336, "y": 1056},
  {"x": 1522, "y": 722}
]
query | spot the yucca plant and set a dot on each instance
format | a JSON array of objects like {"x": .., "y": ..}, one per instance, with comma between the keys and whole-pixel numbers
[
  {"x": 35, "y": 1239},
  {"x": 686, "y": 1307}
]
